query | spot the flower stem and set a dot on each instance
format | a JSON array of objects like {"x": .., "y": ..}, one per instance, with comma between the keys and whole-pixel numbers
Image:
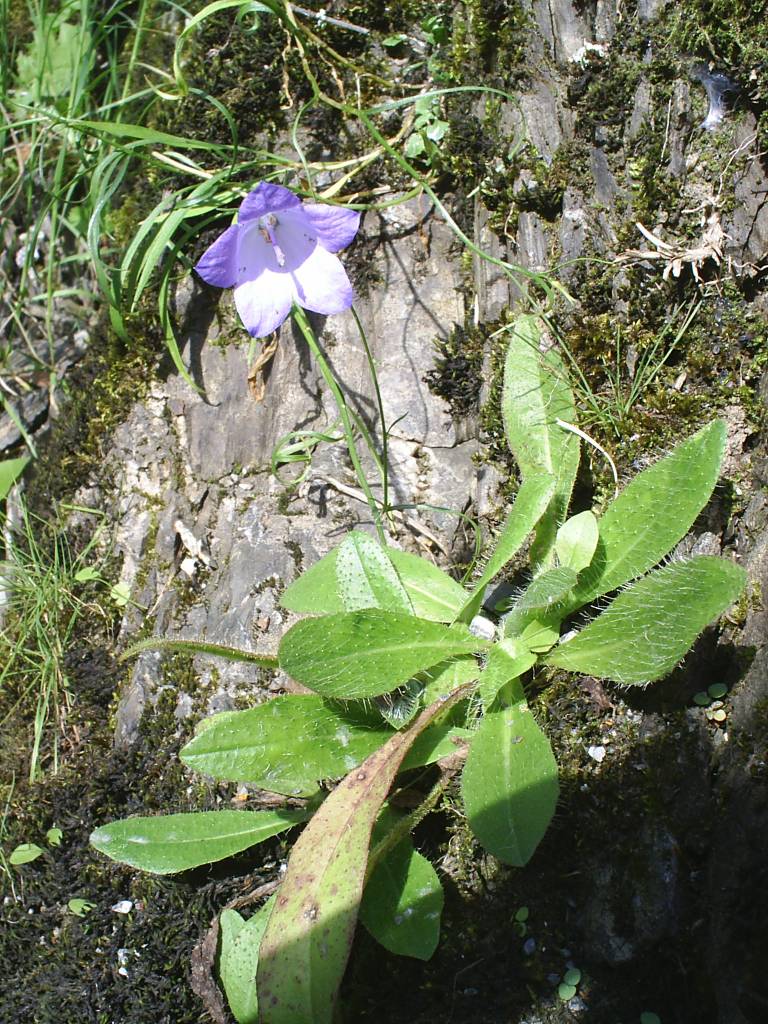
[
  {"x": 306, "y": 329},
  {"x": 380, "y": 404}
]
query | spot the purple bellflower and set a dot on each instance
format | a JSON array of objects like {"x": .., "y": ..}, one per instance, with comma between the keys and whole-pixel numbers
[{"x": 279, "y": 252}]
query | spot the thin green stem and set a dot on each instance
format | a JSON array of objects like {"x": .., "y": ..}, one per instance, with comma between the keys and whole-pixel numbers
[
  {"x": 309, "y": 335},
  {"x": 406, "y": 825},
  {"x": 380, "y": 405}
]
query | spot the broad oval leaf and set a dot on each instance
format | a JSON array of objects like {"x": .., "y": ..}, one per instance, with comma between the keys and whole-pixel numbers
[
  {"x": 286, "y": 745},
  {"x": 307, "y": 942},
  {"x": 10, "y": 471},
  {"x": 178, "y": 842},
  {"x": 434, "y": 595},
  {"x": 652, "y": 513},
  {"x": 650, "y": 626},
  {"x": 576, "y": 541},
  {"x": 402, "y": 903},
  {"x": 289, "y": 744},
  {"x": 509, "y": 783},
  {"x": 366, "y": 578},
  {"x": 315, "y": 592},
  {"x": 369, "y": 652},
  {"x": 239, "y": 944},
  {"x": 24, "y": 853}
]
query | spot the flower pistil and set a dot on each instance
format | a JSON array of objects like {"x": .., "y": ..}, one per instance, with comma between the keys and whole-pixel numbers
[{"x": 267, "y": 227}]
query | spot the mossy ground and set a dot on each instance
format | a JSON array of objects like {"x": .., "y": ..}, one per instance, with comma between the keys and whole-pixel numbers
[{"x": 59, "y": 967}]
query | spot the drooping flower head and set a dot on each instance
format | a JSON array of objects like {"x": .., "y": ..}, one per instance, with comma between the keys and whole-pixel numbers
[{"x": 279, "y": 252}]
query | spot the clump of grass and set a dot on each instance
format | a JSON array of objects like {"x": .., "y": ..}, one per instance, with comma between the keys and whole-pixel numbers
[
  {"x": 42, "y": 581},
  {"x": 630, "y": 372}
]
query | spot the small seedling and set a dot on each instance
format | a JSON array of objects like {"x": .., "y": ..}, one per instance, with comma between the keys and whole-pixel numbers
[
  {"x": 710, "y": 700},
  {"x": 80, "y": 907},
  {"x": 25, "y": 853},
  {"x": 521, "y": 917}
]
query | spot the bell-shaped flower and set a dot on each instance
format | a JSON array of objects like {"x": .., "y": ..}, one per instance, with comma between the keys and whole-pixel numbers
[{"x": 279, "y": 252}]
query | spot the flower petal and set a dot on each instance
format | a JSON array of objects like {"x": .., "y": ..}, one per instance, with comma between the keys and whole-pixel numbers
[
  {"x": 264, "y": 302},
  {"x": 334, "y": 226},
  {"x": 218, "y": 264},
  {"x": 266, "y": 198},
  {"x": 321, "y": 283}
]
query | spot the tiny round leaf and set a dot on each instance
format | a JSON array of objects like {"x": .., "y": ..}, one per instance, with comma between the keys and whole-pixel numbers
[{"x": 25, "y": 853}]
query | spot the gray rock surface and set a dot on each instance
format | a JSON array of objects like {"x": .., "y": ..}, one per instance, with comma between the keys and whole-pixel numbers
[{"x": 203, "y": 459}]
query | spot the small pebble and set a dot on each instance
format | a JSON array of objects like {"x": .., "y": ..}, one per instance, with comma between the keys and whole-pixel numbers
[
  {"x": 576, "y": 1005},
  {"x": 122, "y": 907},
  {"x": 529, "y": 947},
  {"x": 597, "y": 753}
]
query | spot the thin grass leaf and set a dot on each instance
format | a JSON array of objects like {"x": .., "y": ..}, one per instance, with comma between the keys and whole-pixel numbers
[{"x": 166, "y": 323}]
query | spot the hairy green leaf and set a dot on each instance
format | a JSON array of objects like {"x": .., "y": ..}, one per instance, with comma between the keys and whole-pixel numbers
[
  {"x": 289, "y": 744},
  {"x": 509, "y": 783},
  {"x": 315, "y": 592},
  {"x": 531, "y": 502},
  {"x": 539, "y": 635},
  {"x": 160, "y": 643},
  {"x": 546, "y": 590},
  {"x": 536, "y": 394},
  {"x": 178, "y": 842},
  {"x": 399, "y": 707},
  {"x": 653, "y": 513},
  {"x": 541, "y": 598},
  {"x": 369, "y": 652},
  {"x": 650, "y": 626},
  {"x": 507, "y": 660},
  {"x": 306, "y": 945},
  {"x": 286, "y": 745},
  {"x": 366, "y": 578},
  {"x": 444, "y": 678},
  {"x": 434, "y": 595}
]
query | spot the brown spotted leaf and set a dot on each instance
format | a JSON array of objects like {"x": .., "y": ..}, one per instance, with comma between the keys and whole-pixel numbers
[{"x": 307, "y": 942}]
